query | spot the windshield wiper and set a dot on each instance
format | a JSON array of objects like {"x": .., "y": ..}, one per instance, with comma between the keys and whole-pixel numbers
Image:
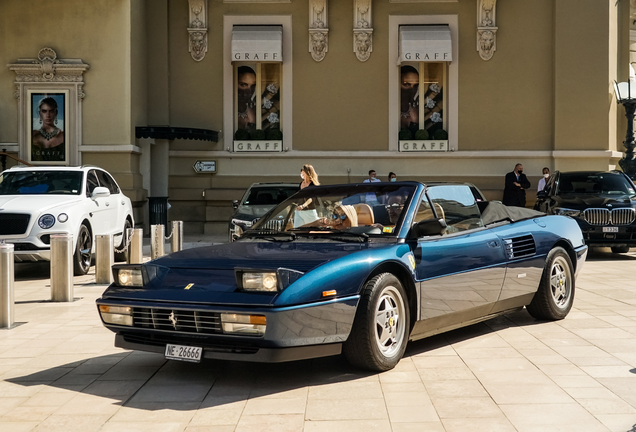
[
  {"x": 271, "y": 235},
  {"x": 346, "y": 236}
]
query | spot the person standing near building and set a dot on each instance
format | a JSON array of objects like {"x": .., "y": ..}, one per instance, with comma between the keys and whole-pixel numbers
[
  {"x": 371, "y": 198},
  {"x": 392, "y": 176},
  {"x": 515, "y": 187},
  {"x": 306, "y": 211},
  {"x": 544, "y": 180}
]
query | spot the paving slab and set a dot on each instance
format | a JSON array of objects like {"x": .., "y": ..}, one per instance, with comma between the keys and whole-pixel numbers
[{"x": 60, "y": 371}]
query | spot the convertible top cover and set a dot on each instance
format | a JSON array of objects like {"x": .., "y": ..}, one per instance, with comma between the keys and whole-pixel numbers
[{"x": 496, "y": 211}]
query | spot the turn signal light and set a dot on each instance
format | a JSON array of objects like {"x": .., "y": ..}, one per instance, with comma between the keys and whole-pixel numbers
[{"x": 329, "y": 293}]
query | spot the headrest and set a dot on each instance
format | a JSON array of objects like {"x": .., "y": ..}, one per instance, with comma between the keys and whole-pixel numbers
[{"x": 365, "y": 214}]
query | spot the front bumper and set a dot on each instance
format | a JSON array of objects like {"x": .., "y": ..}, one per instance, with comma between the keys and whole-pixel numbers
[
  {"x": 292, "y": 333},
  {"x": 594, "y": 235}
]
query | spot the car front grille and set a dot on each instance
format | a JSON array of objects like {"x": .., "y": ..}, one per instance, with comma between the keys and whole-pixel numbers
[
  {"x": 14, "y": 223},
  {"x": 599, "y": 216},
  {"x": 188, "y": 321},
  {"x": 272, "y": 225}
]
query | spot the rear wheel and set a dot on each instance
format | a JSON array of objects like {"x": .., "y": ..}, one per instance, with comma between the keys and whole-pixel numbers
[
  {"x": 620, "y": 249},
  {"x": 555, "y": 296},
  {"x": 381, "y": 327},
  {"x": 123, "y": 256},
  {"x": 83, "y": 252}
]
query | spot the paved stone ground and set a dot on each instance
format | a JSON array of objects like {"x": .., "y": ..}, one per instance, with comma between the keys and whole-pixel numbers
[{"x": 59, "y": 371}]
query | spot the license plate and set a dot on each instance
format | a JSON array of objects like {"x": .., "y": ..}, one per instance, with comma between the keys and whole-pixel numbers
[
  {"x": 610, "y": 229},
  {"x": 184, "y": 353}
]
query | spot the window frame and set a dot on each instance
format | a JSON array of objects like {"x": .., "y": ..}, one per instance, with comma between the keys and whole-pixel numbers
[
  {"x": 286, "y": 105},
  {"x": 451, "y": 96}
]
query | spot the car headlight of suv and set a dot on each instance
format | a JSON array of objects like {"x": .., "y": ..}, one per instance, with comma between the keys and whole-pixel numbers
[
  {"x": 254, "y": 280},
  {"x": 562, "y": 211},
  {"x": 46, "y": 221},
  {"x": 242, "y": 223}
]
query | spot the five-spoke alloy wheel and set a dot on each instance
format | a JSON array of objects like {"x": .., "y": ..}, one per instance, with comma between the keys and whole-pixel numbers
[
  {"x": 553, "y": 300},
  {"x": 381, "y": 328}
]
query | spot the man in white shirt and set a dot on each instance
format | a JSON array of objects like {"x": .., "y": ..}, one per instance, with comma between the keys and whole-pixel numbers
[
  {"x": 546, "y": 177},
  {"x": 371, "y": 199}
]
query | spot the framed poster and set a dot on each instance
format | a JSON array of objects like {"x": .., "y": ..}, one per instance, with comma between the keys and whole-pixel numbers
[{"x": 48, "y": 127}]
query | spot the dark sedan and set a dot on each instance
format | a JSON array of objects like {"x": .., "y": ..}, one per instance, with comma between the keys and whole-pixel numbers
[{"x": 603, "y": 204}]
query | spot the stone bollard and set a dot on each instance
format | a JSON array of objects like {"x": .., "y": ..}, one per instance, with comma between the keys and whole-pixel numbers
[
  {"x": 177, "y": 236},
  {"x": 157, "y": 241},
  {"x": 62, "y": 267},
  {"x": 136, "y": 247},
  {"x": 7, "y": 293},
  {"x": 104, "y": 258}
]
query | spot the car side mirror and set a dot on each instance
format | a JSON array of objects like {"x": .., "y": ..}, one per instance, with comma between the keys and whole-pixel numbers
[
  {"x": 235, "y": 204},
  {"x": 542, "y": 194},
  {"x": 100, "y": 192},
  {"x": 429, "y": 227}
]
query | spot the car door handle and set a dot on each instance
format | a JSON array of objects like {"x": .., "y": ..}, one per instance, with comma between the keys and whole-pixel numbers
[{"x": 493, "y": 244}]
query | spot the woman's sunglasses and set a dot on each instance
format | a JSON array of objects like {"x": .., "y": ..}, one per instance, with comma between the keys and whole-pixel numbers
[{"x": 337, "y": 216}]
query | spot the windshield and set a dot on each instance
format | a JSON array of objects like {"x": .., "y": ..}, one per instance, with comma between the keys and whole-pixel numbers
[
  {"x": 595, "y": 183},
  {"x": 269, "y": 196},
  {"x": 345, "y": 209},
  {"x": 41, "y": 182}
]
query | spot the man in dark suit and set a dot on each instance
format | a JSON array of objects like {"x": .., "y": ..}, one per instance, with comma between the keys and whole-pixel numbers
[{"x": 515, "y": 188}]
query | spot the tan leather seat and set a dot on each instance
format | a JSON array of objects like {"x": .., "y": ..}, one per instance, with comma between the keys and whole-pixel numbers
[{"x": 365, "y": 214}]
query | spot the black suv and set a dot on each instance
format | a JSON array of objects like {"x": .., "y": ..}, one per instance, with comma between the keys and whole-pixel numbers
[
  {"x": 257, "y": 200},
  {"x": 603, "y": 203}
]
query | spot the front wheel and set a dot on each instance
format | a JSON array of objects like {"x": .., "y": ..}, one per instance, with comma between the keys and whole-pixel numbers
[
  {"x": 381, "y": 327},
  {"x": 555, "y": 296},
  {"x": 83, "y": 252},
  {"x": 620, "y": 249}
]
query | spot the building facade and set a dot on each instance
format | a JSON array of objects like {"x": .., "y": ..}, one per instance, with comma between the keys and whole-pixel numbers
[{"x": 197, "y": 99}]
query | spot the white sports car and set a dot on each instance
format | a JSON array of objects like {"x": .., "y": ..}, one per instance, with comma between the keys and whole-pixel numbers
[{"x": 36, "y": 202}]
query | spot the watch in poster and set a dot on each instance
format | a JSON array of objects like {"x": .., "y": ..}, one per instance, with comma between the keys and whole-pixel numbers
[{"x": 48, "y": 143}]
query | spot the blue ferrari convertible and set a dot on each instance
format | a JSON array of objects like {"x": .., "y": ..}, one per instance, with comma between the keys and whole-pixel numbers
[{"x": 357, "y": 268}]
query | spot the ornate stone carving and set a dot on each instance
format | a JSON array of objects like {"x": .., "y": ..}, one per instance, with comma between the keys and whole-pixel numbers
[
  {"x": 198, "y": 29},
  {"x": 362, "y": 29},
  {"x": 486, "y": 28},
  {"x": 47, "y": 68},
  {"x": 318, "y": 29}
]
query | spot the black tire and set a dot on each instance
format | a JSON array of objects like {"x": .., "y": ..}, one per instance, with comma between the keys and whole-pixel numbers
[
  {"x": 83, "y": 255},
  {"x": 381, "y": 327},
  {"x": 555, "y": 296},
  {"x": 123, "y": 256},
  {"x": 620, "y": 249}
]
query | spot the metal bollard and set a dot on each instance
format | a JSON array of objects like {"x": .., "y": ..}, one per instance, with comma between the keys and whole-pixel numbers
[
  {"x": 157, "y": 240},
  {"x": 104, "y": 258},
  {"x": 7, "y": 293},
  {"x": 62, "y": 267},
  {"x": 136, "y": 247},
  {"x": 177, "y": 236}
]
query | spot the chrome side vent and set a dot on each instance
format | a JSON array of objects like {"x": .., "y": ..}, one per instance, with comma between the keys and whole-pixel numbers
[{"x": 520, "y": 247}]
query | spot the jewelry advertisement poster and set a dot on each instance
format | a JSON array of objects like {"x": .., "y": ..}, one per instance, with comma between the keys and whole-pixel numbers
[
  {"x": 258, "y": 100},
  {"x": 421, "y": 84},
  {"x": 48, "y": 125}
]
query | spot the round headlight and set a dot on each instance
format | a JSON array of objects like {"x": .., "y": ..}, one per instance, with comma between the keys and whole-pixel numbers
[
  {"x": 269, "y": 281},
  {"x": 46, "y": 221},
  {"x": 62, "y": 217}
]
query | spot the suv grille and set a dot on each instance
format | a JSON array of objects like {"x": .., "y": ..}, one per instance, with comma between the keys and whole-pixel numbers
[
  {"x": 520, "y": 247},
  {"x": 14, "y": 223},
  {"x": 599, "y": 216},
  {"x": 188, "y": 321}
]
